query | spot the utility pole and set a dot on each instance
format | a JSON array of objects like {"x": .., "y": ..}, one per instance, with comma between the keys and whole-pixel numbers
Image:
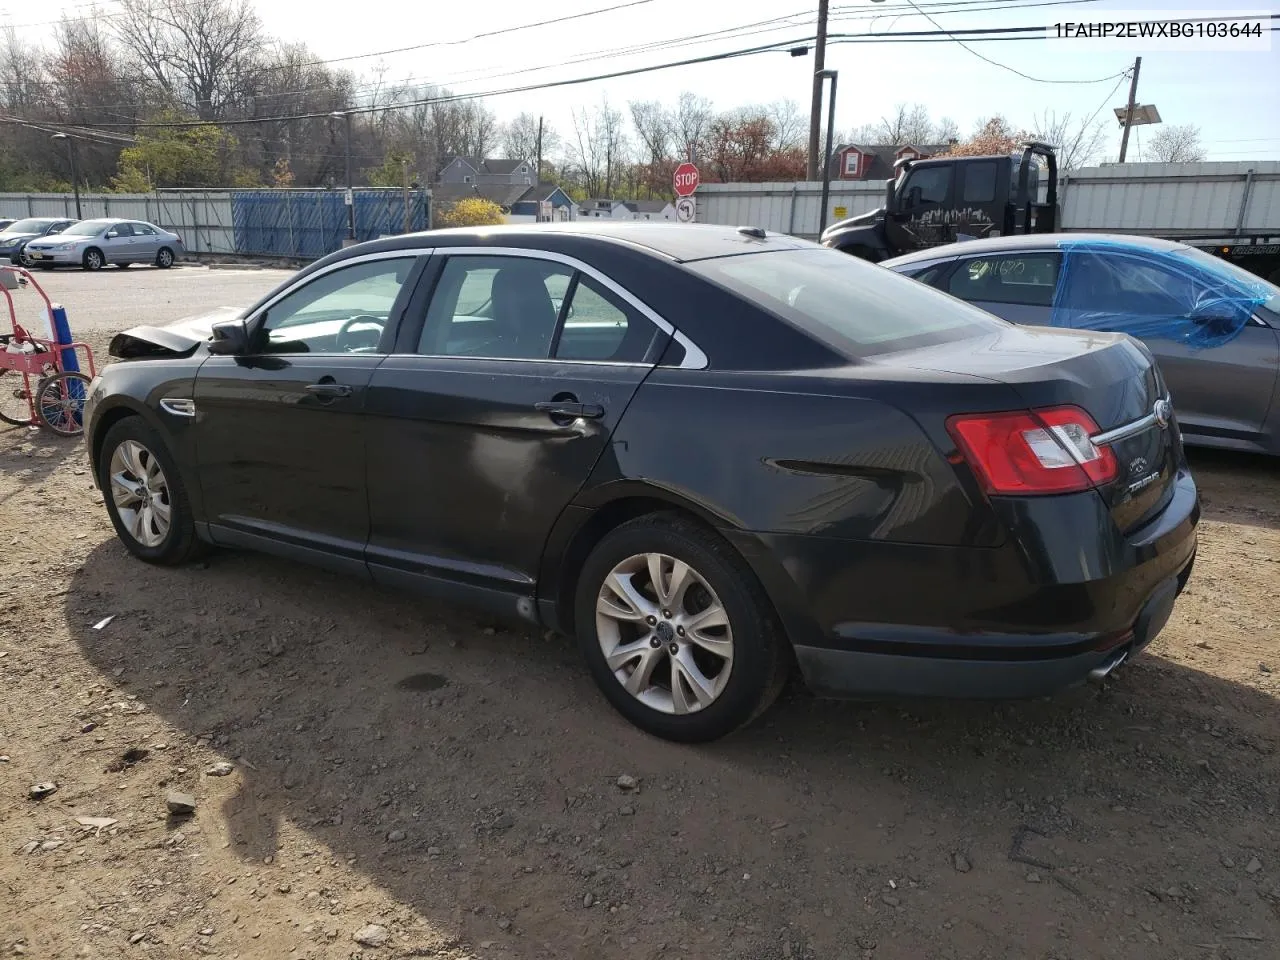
[
  {"x": 537, "y": 177},
  {"x": 408, "y": 215},
  {"x": 1128, "y": 114},
  {"x": 826, "y": 167},
  {"x": 351, "y": 195},
  {"x": 815, "y": 109},
  {"x": 75, "y": 173}
]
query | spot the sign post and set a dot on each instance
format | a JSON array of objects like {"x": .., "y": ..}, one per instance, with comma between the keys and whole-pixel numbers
[{"x": 685, "y": 181}]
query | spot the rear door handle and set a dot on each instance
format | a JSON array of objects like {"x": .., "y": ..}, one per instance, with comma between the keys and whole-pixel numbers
[
  {"x": 562, "y": 408},
  {"x": 329, "y": 389}
]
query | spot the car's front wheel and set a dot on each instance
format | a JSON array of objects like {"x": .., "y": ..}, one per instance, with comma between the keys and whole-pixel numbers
[
  {"x": 676, "y": 630},
  {"x": 93, "y": 259},
  {"x": 144, "y": 493}
]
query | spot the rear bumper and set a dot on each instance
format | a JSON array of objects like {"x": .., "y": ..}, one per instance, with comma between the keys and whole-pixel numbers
[{"x": 1021, "y": 620}]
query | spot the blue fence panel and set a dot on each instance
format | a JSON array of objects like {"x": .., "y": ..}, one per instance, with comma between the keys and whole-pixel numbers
[{"x": 308, "y": 224}]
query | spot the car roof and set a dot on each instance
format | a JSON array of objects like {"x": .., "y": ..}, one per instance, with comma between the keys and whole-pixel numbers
[
  {"x": 681, "y": 242},
  {"x": 1030, "y": 241}
]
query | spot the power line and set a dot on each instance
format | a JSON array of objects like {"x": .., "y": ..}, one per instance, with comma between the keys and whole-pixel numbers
[
  {"x": 778, "y": 46},
  {"x": 996, "y": 63}
]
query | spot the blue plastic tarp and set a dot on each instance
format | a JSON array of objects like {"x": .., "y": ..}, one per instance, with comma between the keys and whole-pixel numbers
[{"x": 1184, "y": 295}]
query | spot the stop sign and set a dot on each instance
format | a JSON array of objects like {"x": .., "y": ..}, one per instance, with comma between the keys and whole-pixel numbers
[{"x": 685, "y": 180}]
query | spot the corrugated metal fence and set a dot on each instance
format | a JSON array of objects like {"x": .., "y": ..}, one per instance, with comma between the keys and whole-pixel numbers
[
  {"x": 304, "y": 224},
  {"x": 1222, "y": 199}
]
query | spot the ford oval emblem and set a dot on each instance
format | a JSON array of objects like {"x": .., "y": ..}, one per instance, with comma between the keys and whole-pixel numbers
[
  {"x": 1137, "y": 466},
  {"x": 1163, "y": 411}
]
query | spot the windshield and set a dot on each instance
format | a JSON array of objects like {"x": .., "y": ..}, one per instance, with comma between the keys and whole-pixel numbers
[
  {"x": 858, "y": 308},
  {"x": 1253, "y": 285},
  {"x": 27, "y": 226},
  {"x": 85, "y": 228}
]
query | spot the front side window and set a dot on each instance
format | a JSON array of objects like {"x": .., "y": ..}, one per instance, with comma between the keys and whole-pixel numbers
[
  {"x": 927, "y": 186},
  {"x": 856, "y": 308},
  {"x": 121, "y": 230},
  {"x": 343, "y": 311},
  {"x": 1028, "y": 278}
]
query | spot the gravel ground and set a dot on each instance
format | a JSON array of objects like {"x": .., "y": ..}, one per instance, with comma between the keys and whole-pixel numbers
[{"x": 376, "y": 776}]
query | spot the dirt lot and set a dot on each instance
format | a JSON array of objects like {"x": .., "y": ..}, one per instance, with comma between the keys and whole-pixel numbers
[{"x": 455, "y": 783}]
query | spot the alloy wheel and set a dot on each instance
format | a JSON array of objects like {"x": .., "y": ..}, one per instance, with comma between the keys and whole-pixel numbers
[
  {"x": 140, "y": 493},
  {"x": 664, "y": 633}
]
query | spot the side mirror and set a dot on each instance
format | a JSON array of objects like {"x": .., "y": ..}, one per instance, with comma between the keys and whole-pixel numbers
[
  {"x": 111, "y": 235},
  {"x": 229, "y": 338}
]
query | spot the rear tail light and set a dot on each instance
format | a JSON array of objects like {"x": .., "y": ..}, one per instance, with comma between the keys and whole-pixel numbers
[{"x": 1033, "y": 452}]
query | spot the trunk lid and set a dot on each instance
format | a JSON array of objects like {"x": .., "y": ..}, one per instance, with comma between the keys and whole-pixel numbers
[{"x": 1111, "y": 377}]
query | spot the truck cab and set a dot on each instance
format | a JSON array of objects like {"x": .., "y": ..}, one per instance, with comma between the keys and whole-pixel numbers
[{"x": 945, "y": 199}]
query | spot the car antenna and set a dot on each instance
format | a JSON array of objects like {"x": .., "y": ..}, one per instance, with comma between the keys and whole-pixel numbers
[{"x": 757, "y": 232}]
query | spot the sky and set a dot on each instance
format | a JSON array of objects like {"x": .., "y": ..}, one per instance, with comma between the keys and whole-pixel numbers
[{"x": 1230, "y": 96}]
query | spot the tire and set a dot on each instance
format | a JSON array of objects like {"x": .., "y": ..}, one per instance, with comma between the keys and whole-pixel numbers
[
  {"x": 93, "y": 259},
  {"x": 25, "y": 260},
  {"x": 667, "y": 706},
  {"x": 164, "y": 259},
  {"x": 139, "y": 447},
  {"x": 60, "y": 403}
]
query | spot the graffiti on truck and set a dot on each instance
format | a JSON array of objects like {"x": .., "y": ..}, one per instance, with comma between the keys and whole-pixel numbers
[{"x": 943, "y": 225}]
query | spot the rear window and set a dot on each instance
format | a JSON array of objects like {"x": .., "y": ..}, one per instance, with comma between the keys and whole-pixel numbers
[{"x": 857, "y": 308}]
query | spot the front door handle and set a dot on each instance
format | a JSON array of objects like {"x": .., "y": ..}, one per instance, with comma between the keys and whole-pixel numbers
[
  {"x": 569, "y": 409},
  {"x": 329, "y": 389}
]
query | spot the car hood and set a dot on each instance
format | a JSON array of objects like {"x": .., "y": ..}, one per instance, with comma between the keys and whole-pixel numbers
[
  {"x": 8, "y": 238},
  {"x": 177, "y": 339}
]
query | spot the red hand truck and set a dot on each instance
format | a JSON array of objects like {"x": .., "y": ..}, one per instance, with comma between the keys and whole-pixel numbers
[{"x": 36, "y": 389}]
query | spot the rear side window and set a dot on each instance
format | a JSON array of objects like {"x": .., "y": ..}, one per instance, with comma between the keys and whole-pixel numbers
[
  {"x": 1028, "y": 278},
  {"x": 979, "y": 182},
  {"x": 855, "y": 307}
]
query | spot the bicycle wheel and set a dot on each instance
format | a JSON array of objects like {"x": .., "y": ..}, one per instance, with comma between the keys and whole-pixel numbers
[
  {"x": 60, "y": 403},
  {"x": 15, "y": 398}
]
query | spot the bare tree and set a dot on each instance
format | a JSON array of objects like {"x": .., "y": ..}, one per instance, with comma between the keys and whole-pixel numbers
[
  {"x": 600, "y": 145},
  {"x": 477, "y": 128},
  {"x": 692, "y": 123},
  {"x": 946, "y": 130},
  {"x": 200, "y": 55},
  {"x": 908, "y": 124},
  {"x": 1177, "y": 144},
  {"x": 790, "y": 126},
  {"x": 519, "y": 140},
  {"x": 1078, "y": 142}
]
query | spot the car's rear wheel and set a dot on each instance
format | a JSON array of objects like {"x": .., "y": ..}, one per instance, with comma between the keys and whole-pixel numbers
[
  {"x": 676, "y": 630},
  {"x": 93, "y": 259},
  {"x": 164, "y": 259},
  {"x": 144, "y": 493}
]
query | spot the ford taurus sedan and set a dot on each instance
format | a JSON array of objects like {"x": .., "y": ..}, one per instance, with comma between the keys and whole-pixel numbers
[
  {"x": 93, "y": 244},
  {"x": 710, "y": 454},
  {"x": 1213, "y": 327}
]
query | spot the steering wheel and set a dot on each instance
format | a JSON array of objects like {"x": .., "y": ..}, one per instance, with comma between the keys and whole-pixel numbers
[{"x": 348, "y": 343}]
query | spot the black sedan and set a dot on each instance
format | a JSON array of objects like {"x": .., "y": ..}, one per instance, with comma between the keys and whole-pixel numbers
[{"x": 708, "y": 453}]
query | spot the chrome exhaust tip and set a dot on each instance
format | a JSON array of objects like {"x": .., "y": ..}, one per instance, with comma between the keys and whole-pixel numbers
[{"x": 1099, "y": 674}]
